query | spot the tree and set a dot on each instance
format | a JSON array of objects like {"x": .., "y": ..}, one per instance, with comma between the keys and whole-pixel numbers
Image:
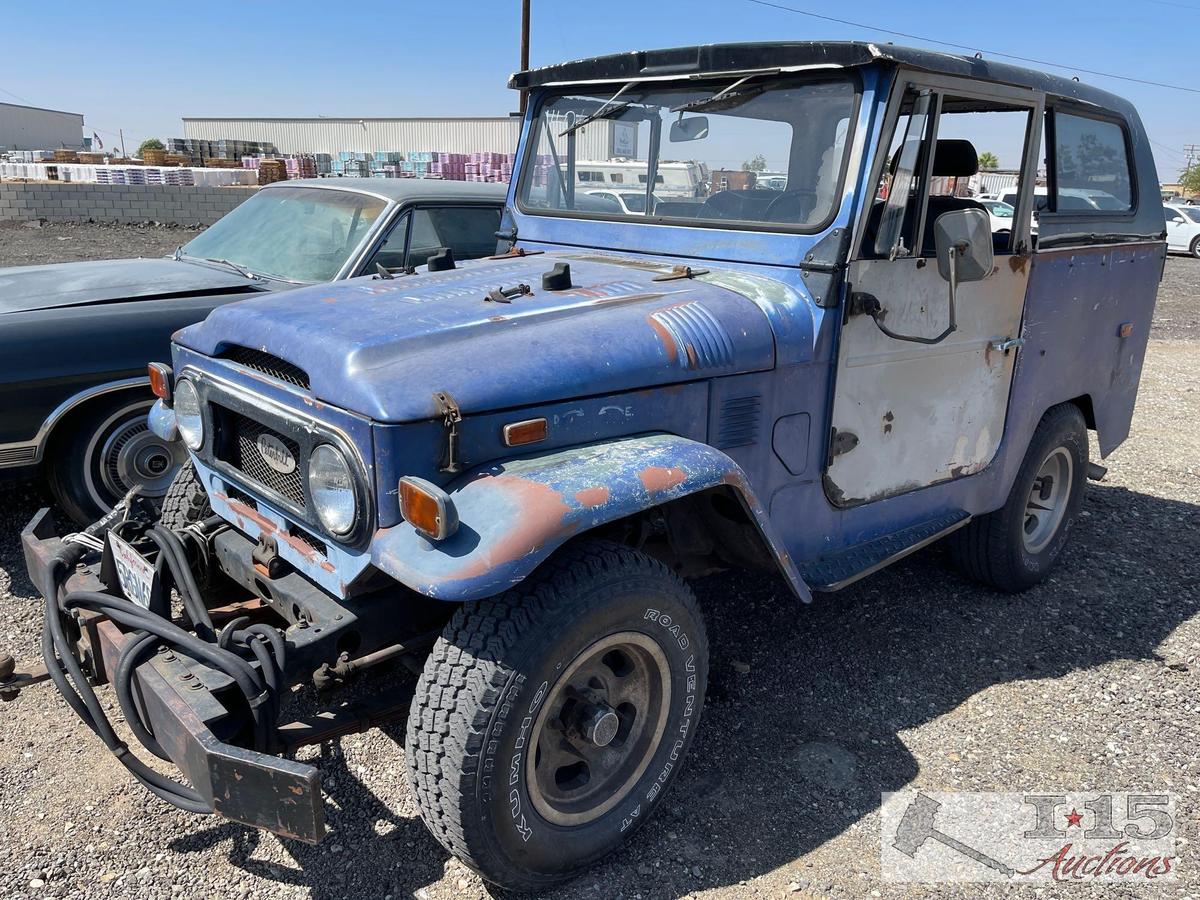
[
  {"x": 988, "y": 160},
  {"x": 758, "y": 164},
  {"x": 1189, "y": 179},
  {"x": 150, "y": 144}
]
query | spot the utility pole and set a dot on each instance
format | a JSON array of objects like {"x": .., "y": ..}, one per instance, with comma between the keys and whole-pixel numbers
[
  {"x": 121, "y": 134},
  {"x": 524, "y": 46}
]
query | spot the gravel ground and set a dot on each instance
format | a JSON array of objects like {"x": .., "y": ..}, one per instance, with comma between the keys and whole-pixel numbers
[{"x": 913, "y": 678}]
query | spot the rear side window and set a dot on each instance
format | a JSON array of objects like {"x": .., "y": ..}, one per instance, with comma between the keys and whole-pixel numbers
[{"x": 1091, "y": 166}]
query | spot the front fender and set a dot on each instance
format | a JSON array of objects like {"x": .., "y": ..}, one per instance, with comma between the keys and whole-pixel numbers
[{"x": 514, "y": 514}]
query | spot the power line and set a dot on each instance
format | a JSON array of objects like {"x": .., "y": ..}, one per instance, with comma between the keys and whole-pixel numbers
[
  {"x": 1176, "y": 5},
  {"x": 16, "y": 96},
  {"x": 970, "y": 48}
]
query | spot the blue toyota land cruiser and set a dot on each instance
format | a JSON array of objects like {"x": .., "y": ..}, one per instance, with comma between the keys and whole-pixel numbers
[{"x": 503, "y": 473}]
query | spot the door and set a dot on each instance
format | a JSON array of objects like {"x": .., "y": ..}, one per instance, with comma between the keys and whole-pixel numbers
[{"x": 922, "y": 406}]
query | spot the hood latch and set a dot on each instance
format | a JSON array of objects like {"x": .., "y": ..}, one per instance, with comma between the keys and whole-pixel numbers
[{"x": 451, "y": 416}]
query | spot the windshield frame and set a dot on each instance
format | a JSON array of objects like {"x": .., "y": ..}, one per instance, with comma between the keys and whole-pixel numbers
[
  {"x": 353, "y": 260},
  {"x": 717, "y": 83}
]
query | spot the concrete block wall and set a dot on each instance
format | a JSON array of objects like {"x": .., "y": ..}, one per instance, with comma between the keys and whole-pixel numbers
[{"x": 123, "y": 203}]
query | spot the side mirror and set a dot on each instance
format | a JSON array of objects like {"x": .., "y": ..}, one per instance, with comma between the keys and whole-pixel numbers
[
  {"x": 964, "y": 245},
  {"x": 693, "y": 129}
]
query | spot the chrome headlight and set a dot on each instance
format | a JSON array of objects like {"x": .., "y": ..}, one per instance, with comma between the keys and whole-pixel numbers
[
  {"x": 331, "y": 488},
  {"x": 187, "y": 414}
]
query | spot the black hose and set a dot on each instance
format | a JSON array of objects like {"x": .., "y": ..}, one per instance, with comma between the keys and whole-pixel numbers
[{"x": 224, "y": 653}]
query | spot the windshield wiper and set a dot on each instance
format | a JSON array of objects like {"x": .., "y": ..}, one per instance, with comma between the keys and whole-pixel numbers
[
  {"x": 603, "y": 112},
  {"x": 728, "y": 97},
  {"x": 241, "y": 270}
]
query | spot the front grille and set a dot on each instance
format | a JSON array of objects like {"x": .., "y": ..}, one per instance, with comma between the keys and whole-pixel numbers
[
  {"x": 242, "y": 452},
  {"x": 268, "y": 364}
]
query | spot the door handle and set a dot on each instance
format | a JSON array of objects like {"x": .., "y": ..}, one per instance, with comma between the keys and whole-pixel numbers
[{"x": 1008, "y": 344}]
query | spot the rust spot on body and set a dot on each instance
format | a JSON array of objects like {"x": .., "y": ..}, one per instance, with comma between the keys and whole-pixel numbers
[
  {"x": 542, "y": 516},
  {"x": 590, "y": 498},
  {"x": 657, "y": 478},
  {"x": 668, "y": 342},
  {"x": 1017, "y": 263}
]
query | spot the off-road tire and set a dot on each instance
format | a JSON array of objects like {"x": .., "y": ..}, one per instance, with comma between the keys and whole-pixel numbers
[
  {"x": 185, "y": 502},
  {"x": 991, "y": 549},
  {"x": 475, "y": 710}
]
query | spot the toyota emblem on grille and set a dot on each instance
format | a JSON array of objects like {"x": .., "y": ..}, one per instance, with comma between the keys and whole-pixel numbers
[{"x": 275, "y": 453}]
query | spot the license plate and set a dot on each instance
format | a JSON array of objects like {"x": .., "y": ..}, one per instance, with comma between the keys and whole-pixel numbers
[{"x": 134, "y": 573}]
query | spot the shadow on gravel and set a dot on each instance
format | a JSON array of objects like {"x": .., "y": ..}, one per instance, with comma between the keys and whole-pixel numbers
[{"x": 798, "y": 748}]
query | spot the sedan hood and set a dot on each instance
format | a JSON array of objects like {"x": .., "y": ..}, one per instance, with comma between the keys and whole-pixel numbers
[
  {"x": 382, "y": 348},
  {"x": 24, "y": 288}
]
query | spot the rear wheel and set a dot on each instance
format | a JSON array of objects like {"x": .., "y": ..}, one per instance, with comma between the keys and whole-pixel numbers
[
  {"x": 105, "y": 449},
  {"x": 1194, "y": 247},
  {"x": 1016, "y": 546},
  {"x": 548, "y": 721}
]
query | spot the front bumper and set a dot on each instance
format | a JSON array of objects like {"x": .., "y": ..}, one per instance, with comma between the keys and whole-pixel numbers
[{"x": 182, "y": 703}]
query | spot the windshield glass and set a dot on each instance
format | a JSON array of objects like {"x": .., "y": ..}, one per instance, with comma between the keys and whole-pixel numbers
[
  {"x": 739, "y": 151},
  {"x": 293, "y": 233},
  {"x": 1191, "y": 212}
]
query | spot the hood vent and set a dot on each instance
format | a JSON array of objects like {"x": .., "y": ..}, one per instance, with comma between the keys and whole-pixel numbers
[
  {"x": 698, "y": 340},
  {"x": 269, "y": 365}
]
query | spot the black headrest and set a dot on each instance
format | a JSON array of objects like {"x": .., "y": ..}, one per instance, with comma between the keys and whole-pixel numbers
[{"x": 955, "y": 158}]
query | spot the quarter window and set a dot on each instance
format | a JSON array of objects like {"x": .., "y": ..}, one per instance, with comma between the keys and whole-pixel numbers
[{"x": 1091, "y": 166}]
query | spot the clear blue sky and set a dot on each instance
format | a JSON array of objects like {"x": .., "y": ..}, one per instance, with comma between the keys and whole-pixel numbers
[{"x": 141, "y": 66}]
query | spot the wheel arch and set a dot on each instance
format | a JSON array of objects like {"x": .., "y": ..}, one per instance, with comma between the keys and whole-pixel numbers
[
  {"x": 514, "y": 515},
  {"x": 80, "y": 401}
]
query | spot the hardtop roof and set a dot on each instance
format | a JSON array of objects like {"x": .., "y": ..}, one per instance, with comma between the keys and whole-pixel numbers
[{"x": 716, "y": 59}]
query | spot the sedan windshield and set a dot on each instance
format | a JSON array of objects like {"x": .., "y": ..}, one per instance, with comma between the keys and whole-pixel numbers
[
  {"x": 758, "y": 149},
  {"x": 291, "y": 233}
]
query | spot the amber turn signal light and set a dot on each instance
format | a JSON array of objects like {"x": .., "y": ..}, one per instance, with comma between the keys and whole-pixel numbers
[
  {"x": 427, "y": 508},
  {"x": 528, "y": 432},
  {"x": 160, "y": 381}
]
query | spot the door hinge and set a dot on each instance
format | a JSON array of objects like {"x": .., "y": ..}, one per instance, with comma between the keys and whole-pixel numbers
[
  {"x": 840, "y": 442},
  {"x": 451, "y": 416}
]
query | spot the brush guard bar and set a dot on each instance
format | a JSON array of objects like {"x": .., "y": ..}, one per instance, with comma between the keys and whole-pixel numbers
[{"x": 179, "y": 701}]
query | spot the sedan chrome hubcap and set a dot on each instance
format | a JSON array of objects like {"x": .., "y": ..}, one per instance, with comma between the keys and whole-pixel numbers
[
  {"x": 1047, "y": 502},
  {"x": 598, "y": 729}
]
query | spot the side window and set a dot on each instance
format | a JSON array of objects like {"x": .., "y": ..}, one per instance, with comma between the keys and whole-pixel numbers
[
  {"x": 469, "y": 231},
  {"x": 1173, "y": 216},
  {"x": 898, "y": 197},
  {"x": 980, "y": 150},
  {"x": 1091, "y": 166},
  {"x": 391, "y": 253}
]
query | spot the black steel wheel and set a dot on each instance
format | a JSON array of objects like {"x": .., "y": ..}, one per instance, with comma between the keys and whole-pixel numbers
[{"x": 549, "y": 721}]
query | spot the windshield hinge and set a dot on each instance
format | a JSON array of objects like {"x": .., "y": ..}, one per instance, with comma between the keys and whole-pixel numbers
[
  {"x": 678, "y": 272},
  {"x": 451, "y": 416},
  {"x": 505, "y": 295},
  {"x": 515, "y": 251},
  {"x": 382, "y": 271}
]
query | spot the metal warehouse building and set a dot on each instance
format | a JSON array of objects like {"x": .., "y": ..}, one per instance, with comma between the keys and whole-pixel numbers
[
  {"x": 483, "y": 134},
  {"x": 33, "y": 128}
]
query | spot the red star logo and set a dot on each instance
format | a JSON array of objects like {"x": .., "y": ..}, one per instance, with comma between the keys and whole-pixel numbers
[{"x": 1074, "y": 817}]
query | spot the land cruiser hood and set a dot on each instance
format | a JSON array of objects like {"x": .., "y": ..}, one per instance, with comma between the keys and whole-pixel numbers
[
  {"x": 382, "y": 348},
  {"x": 24, "y": 288}
]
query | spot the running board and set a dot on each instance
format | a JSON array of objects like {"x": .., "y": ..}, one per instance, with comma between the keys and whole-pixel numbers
[{"x": 832, "y": 573}]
